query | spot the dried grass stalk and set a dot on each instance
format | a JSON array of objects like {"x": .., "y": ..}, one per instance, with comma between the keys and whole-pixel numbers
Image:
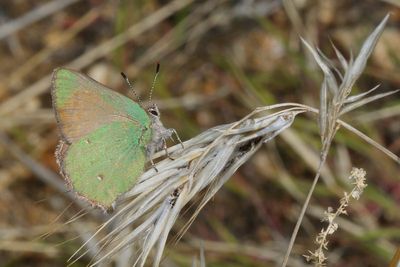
[
  {"x": 335, "y": 101},
  {"x": 207, "y": 161}
]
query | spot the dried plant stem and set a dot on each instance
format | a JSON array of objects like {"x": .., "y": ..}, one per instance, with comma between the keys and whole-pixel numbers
[
  {"x": 362, "y": 136},
  {"x": 33, "y": 16},
  {"x": 150, "y": 209},
  {"x": 335, "y": 101},
  {"x": 370, "y": 141},
  {"x": 323, "y": 157},
  {"x": 303, "y": 211}
]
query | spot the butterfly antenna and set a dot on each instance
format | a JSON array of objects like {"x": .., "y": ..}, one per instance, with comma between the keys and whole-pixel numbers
[
  {"x": 154, "y": 81},
  {"x": 131, "y": 87}
]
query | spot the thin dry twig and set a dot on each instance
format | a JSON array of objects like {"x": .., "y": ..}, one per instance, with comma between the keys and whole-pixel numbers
[{"x": 33, "y": 16}]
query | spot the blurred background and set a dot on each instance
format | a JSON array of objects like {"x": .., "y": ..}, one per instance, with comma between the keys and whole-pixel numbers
[{"x": 219, "y": 61}]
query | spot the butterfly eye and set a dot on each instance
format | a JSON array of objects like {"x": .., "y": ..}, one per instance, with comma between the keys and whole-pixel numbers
[{"x": 153, "y": 112}]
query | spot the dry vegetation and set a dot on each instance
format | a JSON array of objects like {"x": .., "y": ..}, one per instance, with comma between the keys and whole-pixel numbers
[{"x": 219, "y": 61}]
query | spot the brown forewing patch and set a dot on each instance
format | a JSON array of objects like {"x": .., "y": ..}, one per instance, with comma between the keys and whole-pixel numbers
[{"x": 86, "y": 111}]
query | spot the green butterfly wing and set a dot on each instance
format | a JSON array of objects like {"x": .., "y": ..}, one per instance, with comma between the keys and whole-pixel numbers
[
  {"x": 82, "y": 105},
  {"x": 104, "y": 137}
]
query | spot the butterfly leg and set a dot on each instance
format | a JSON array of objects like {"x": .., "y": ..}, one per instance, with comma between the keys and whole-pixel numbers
[
  {"x": 150, "y": 151},
  {"x": 177, "y": 136},
  {"x": 152, "y": 165},
  {"x": 144, "y": 129},
  {"x": 166, "y": 148}
]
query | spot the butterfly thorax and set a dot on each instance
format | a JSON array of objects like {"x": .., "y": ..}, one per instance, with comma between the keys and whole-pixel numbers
[{"x": 159, "y": 132}]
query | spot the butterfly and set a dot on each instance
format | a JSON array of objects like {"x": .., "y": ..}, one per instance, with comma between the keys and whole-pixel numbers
[{"x": 106, "y": 138}]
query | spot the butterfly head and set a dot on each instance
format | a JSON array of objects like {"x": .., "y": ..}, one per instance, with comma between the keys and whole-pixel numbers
[{"x": 153, "y": 111}]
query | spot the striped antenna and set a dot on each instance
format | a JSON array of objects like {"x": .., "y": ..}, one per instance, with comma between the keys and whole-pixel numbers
[
  {"x": 131, "y": 87},
  {"x": 154, "y": 81}
]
